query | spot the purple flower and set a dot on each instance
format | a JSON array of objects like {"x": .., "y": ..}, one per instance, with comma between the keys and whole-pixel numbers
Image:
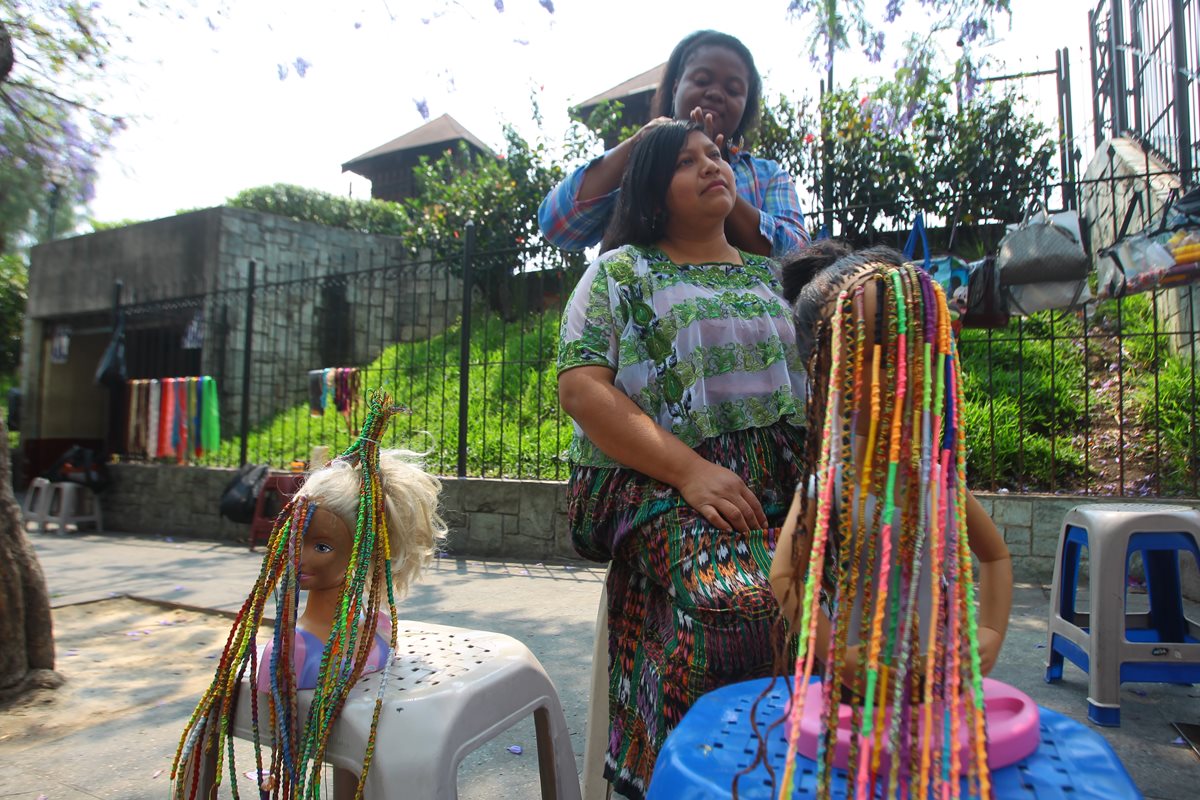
[
  {"x": 301, "y": 64},
  {"x": 874, "y": 47},
  {"x": 972, "y": 29},
  {"x": 500, "y": 6},
  {"x": 422, "y": 107},
  {"x": 893, "y": 10},
  {"x": 283, "y": 71},
  {"x": 547, "y": 4}
]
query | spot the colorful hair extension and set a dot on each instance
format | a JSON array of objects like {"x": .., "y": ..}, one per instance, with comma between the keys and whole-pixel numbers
[
  {"x": 299, "y": 746},
  {"x": 920, "y": 679}
]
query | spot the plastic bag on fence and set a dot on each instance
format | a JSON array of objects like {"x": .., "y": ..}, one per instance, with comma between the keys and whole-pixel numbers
[
  {"x": 1166, "y": 255},
  {"x": 949, "y": 271},
  {"x": 1042, "y": 249}
]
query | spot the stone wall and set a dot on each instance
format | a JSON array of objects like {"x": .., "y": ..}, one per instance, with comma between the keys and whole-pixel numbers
[
  {"x": 527, "y": 520},
  {"x": 1031, "y": 524},
  {"x": 509, "y": 519},
  {"x": 327, "y": 298}
]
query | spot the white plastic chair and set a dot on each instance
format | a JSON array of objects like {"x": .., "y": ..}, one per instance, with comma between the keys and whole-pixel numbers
[
  {"x": 73, "y": 504},
  {"x": 449, "y": 691},
  {"x": 36, "y": 504}
]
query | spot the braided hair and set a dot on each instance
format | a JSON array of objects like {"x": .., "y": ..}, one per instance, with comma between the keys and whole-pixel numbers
[{"x": 875, "y": 335}]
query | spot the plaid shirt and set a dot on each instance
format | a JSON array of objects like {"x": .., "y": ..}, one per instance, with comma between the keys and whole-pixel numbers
[{"x": 573, "y": 225}]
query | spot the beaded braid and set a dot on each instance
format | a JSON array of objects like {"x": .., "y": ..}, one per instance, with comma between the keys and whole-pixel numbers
[
  {"x": 298, "y": 753},
  {"x": 917, "y": 696}
]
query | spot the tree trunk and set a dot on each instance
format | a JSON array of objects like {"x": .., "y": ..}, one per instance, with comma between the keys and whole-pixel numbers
[
  {"x": 26, "y": 628},
  {"x": 6, "y": 52}
]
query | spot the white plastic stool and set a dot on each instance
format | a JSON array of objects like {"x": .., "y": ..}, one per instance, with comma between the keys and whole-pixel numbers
[
  {"x": 37, "y": 503},
  {"x": 73, "y": 504},
  {"x": 1111, "y": 645},
  {"x": 449, "y": 691}
]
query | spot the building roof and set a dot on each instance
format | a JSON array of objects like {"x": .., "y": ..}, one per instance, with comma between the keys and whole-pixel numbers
[
  {"x": 647, "y": 81},
  {"x": 437, "y": 131}
]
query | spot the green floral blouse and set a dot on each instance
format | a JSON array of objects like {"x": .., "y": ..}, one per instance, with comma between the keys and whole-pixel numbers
[{"x": 703, "y": 349}]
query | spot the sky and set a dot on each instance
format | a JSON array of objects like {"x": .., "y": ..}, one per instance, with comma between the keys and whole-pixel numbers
[{"x": 217, "y": 108}]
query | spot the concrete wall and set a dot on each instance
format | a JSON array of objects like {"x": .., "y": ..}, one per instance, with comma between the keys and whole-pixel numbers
[
  {"x": 380, "y": 299},
  {"x": 73, "y": 276},
  {"x": 528, "y": 519}
]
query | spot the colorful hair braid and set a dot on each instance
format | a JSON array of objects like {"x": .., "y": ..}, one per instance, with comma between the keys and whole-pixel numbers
[
  {"x": 299, "y": 745},
  {"x": 916, "y": 695}
]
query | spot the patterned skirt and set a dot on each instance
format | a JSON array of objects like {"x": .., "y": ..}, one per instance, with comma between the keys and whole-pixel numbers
[{"x": 689, "y": 606}]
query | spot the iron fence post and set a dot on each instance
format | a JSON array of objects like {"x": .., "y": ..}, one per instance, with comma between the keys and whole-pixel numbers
[
  {"x": 464, "y": 348},
  {"x": 1116, "y": 49},
  {"x": 1182, "y": 100},
  {"x": 247, "y": 347}
]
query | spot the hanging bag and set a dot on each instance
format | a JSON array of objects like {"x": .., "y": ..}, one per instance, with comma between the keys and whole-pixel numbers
[
  {"x": 241, "y": 495},
  {"x": 985, "y": 306},
  {"x": 949, "y": 271},
  {"x": 1041, "y": 263}
]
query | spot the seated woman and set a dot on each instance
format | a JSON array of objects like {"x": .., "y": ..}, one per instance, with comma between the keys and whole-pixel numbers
[
  {"x": 677, "y": 362},
  {"x": 873, "y": 566},
  {"x": 354, "y": 537}
]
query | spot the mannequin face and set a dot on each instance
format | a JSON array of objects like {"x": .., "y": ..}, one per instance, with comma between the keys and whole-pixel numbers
[{"x": 326, "y": 552}]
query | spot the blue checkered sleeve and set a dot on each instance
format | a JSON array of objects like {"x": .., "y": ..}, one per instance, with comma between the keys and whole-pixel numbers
[
  {"x": 768, "y": 187},
  {"x": 570, "y": 223}
]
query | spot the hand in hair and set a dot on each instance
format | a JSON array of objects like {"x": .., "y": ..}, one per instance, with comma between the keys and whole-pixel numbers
[{"x": 710, "y": 128}]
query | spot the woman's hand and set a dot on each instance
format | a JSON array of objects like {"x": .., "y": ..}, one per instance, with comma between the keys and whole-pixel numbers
[
  {"x": 722, "y": 498},
  {"x": 710, "y": 128}
]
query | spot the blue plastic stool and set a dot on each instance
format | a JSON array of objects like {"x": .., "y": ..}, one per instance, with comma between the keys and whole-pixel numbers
[
  {"x": 1109, "y": 644},
  {"x": 715, "y": 741}
]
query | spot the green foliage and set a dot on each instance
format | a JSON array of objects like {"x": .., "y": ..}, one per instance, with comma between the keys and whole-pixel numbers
[
  {"x": 981, "y": 162},
  {"x": 311, "y": 205},
  {"x": 500, "y": 195},
  {"x": 14, "y": 283},
  {"x": 786, "y": 133},
  {"x": 1026, "y": 386},
  {"x": 51, "y": 129},
  {"x": 1176, "y": 420},
  {"x": 515, "y": 426},
  {"x": 891, "y": 153}
]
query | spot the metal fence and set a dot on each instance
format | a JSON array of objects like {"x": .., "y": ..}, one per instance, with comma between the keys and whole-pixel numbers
[
  {"x": 473, "y": 367},
  {"x": 1098, "y": 400},
  {"x": 1146, "y": 75}
]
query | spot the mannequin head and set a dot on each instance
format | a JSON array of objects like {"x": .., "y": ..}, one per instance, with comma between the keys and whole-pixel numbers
[{"x": 410, "y": 500}]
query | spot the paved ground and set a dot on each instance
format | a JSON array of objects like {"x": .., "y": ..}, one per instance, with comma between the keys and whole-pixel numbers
[{"x": 550, "y": 607}]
